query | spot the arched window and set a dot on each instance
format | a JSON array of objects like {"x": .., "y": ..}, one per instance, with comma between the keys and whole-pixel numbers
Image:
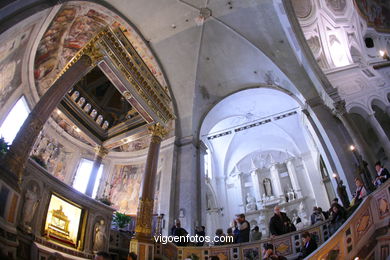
[
  {"x": 14, "y": 120},
  {"x": 83, "y": 174}
]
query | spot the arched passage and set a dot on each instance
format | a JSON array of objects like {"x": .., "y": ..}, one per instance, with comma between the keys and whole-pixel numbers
[
  {"x": 361, "y": 119},
  {"x": 380, "y": 114}
]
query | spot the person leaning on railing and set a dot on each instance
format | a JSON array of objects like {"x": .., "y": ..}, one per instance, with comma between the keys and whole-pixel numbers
[
  {"x": 309, "y": 245},
  {"x": 337, "y": 217},
  {"x": 269, "y": 254}
]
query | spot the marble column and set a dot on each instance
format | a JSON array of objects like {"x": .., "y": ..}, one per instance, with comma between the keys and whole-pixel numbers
[
  {"x": 143, "y": 228},
  {"x": 277, "y": 187},
  {"x": 100, "y": 153},
  {"x": 19, "y": 152},
  {"x": 384, "y": 140},
  {"x": 294, "y": 178},
  {"x": 256, "y": 187}
]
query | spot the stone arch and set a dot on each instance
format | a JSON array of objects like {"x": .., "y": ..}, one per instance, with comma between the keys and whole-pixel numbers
[
  {"x": 378, "y": 102},
  {"x": 360, "y": 110}
]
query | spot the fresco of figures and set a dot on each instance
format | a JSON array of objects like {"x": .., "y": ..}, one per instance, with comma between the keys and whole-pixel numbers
[
  {"x": 53, "y": 154},
  {"x": 125, "y": 188},
  {"x": 70, "y": 30},
  {"x": 68, "y": 126},
  {"x": 11, "y": 62},
  {"x": 136, "y": 145},
  {"x": 376, "y": 13}
]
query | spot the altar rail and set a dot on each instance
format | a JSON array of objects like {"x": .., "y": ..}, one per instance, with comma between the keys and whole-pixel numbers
[{"x": 365, "y": 234}]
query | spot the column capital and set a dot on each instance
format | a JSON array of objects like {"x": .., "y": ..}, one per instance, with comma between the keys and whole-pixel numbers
[
  {"x": 157, "y": 130},
  {"x": 339, "y": 108},
  {"x": 101, "y": 151}
]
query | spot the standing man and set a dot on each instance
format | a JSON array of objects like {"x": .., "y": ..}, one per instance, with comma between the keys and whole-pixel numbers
[
  {"x": 244, "y": 229},
  {"x": 280, "y": 224}
]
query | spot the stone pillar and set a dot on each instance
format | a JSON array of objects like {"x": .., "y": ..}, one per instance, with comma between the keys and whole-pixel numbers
[
  {"x": 294, "y": 178},
  {"x": 256, "y": 187},
  {"x": 380, "y": 133},
  {"x": 100, "y": 153},
  {"x": 19, "y": 152},
  {"x": 277, "y": 187},
  {"x": 333, "y": 145},
  {"x": 142, "y": 243}
]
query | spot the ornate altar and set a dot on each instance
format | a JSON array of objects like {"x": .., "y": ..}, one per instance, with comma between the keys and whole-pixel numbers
[{"x": 63, "y": 222}]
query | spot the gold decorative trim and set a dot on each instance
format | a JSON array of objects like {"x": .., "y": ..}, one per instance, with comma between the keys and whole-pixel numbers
[
  {"x": 144, "y": 216},
  {"x": 101, "y": 151},
  {"x": 157, "y": 130},
  {"x": 90, "y": 49},
  {"x": 125, "y": 58}
]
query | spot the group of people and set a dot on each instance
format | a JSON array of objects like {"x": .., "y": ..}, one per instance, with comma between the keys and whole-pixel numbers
[{"x": 280, "y": 224}]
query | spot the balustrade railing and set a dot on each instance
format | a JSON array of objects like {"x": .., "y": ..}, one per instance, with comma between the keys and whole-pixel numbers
[{"x": 365, "y": 235}]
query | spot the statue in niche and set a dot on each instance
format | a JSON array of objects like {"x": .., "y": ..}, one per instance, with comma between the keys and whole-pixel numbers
[
  {"x": 302, "y": 213},
  {"x": 87, "y": 108},
  {"x": 250, "y": 203},
  {"x": 100, "y": 236},
  {"x": 93, "y": 113},
  {"x": 31, "y": 200},
  {"x": 81, "y": 102},
  {"x": 267, "y": 187},
  {"x": 291, "y": 194},
  {"x": 99, "y": 120}
]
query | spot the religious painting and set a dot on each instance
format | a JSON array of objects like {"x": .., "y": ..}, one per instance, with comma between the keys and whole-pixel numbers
[
  {"x": 363, "y": 223},
  {"x": 333, "y": 254},
  {"x": 376, "y": 13},
  {"x": 169, "y": 251},
  {"x": 63, "y": 221},
  {"x": 251, "y": 253},
  {"x": 4, "y": 193},
  {"x": 136, "y": 145},
  {"x": 283, "y": 246},
  {"x": 382, "y": 203},
  {"x": 72, "y": 27},
  {"x": 13, "y": 208},
  {"x": 11, "y": 56},
  {"x": 192, "y": 253},
  {"x": 222, "y": 253},
  {"x": 69, "y": 127},
  {"x": 53, "y": 154},
  {"x": 126, "y": 184}
]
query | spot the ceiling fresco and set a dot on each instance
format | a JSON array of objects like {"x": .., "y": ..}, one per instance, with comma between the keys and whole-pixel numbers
[{"x": 73, "y": 26}]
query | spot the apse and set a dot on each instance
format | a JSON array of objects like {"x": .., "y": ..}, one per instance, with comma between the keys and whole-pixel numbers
[{"x": 262, "y": 154}]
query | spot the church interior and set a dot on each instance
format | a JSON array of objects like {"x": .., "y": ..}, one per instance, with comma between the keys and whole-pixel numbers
[{"x": 125, "y": 120}]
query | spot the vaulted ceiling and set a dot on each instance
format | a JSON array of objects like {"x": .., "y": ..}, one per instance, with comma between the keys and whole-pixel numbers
[{"x": 207, "y": 50}]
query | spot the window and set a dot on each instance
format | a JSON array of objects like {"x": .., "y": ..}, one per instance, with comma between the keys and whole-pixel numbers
[
  {"x": 207, "y": 165},
  {"x": 14, "y": 120},
  {"x": 84, "y": 173}
]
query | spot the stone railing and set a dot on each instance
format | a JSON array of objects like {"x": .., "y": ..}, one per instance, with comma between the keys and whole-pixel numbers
[
  {"x": 288, "y": 245},
  {"x": 366, "y": 233}
]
